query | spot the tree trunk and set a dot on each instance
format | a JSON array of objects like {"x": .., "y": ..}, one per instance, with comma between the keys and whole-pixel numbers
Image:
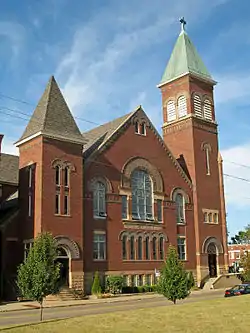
[
  {"x": 174, "y": 300},
  {"x": 41, "y": 310}
]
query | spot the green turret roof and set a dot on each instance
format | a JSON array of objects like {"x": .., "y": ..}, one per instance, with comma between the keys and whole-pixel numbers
[{"x": 185, "y": 60}]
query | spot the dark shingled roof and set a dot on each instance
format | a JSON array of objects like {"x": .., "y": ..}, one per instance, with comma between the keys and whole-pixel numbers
[
  {"x": 9, "y": 168},
  {"x": 52, "y": 117},
  {"x": 8, "y": 208},
  {"x": 100, "y": 134}
]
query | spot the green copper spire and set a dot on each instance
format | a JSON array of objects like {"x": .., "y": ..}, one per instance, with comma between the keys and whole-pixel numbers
[{"x": 184, "y": 60}]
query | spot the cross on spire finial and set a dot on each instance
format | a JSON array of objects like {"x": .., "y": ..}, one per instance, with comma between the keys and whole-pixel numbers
[{"x": 183, "y": 23}]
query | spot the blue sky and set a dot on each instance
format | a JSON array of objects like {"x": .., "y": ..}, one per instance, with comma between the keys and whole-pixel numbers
[{"x": 108, "y": 56}]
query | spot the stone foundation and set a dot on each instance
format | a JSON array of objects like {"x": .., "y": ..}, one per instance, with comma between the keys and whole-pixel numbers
[{"x": 77, "y": 281}]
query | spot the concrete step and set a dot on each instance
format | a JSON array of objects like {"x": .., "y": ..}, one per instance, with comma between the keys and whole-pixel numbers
[{"x": 64, "y": 294}]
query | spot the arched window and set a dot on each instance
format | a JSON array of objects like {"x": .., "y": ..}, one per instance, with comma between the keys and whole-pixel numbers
[
  {"x": 205, "y": 217},
  {"x": 180, "y": 208},
  {"x": 161, "y": 248},
  {"x": 143, "y": 129},
  {"x": 58, "y": 175},
  {"x": 66, "y": 176},
  {"x": 154, "y": 249},
  {"x": 210, "y": 217},
  {"x": 124, "y": 247},
  {"x": 216, "y": 218},
  {"x": 171, "y": 113},
  {"x": 132, "y": 247},
  {"x": 197, "y": 106},
  {"x": 207, "y": 109},
  {"x": 99, "y": 200},
  {"x": 137, "y": 127},
  {"x": 142, "y": 205},
  {"x": 139, "y": 248},
  {"x": 147, "y": 253},
  {"x": 207, "y": 150},
  {"x": 182, "y": 106}
]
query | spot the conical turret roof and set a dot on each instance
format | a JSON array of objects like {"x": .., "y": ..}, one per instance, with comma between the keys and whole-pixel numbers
[
  {"x": 53, "y": 118},
  {"x": 185, "y": 60}
]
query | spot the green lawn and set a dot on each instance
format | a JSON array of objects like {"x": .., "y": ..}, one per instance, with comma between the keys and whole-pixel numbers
[{"x": 223, "y": 315}]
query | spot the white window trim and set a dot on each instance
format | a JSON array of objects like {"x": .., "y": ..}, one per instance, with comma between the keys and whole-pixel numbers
[
  {"x": 182, "y": 237},
  {"x": 100, "y": 232}
]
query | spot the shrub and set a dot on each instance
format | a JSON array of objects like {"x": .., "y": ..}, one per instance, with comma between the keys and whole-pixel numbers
[
  {"x": 141, "y": 289},
  {"x": 114, "y": 284},
  {"x": 96, "y": 287},
  {"x": 191, "y": 282}
]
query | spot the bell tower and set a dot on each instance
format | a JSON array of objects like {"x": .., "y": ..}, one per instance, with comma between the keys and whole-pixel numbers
[{"x": 190, "y": 132}]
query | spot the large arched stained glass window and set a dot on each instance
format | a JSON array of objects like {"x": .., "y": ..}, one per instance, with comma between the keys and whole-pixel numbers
[{"x": 142, "y": 201}]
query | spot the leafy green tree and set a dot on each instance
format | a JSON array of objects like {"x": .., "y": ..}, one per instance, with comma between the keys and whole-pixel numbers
[
  {"x": 245, "y": 263},
  {"x": 174, "y": 282},
  {"x": 243, "y": 237},
  {"x": 38, "y": 275},
  {"x": 191, "y": 281},
  {"x": 114, "y": 283},
  {"x": 96, "y": 287}
]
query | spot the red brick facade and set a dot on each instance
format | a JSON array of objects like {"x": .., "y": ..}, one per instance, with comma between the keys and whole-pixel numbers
[{"x": 59, "y": 180}]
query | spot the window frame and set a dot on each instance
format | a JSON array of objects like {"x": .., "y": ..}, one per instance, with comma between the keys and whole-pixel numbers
[
  {"x": 147, "y": 248},
  {"x": 142, "y": 206},
  {"x": 180, "y": 209},
  {"x": 96, "y": 240},
  {"x": 161, "y": 248},
  {"x": 139, "y": 248},
  {"x": 124, "y": 247},
  {"x": 124, "y": 207},
  {"x": 180, "y": 247},
  {"x": 154, "y": 248},
  {"x": 99, "y": 186}
]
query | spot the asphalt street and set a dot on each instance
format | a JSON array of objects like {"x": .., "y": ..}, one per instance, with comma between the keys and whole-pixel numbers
[{"x": 33, "y": 315}]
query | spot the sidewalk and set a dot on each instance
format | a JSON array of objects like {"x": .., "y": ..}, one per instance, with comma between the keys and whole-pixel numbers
[{"x": 29, "y": 305}]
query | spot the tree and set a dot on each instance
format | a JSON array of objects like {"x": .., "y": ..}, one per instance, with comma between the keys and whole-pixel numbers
[
  {"x": 243, "y": 237},
  {"x": 96, "y": 287},
  {"x": 245, "y": 263},
  {"x": 174, "y": 282},
  {"x": 38, "y": 275},
  {"x": 114, "y": 283}
]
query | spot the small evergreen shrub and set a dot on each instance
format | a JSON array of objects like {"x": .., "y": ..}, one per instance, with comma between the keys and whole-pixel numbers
[
  {"x": 114, "y": 284},
  {"x": 96, "y": 287}
]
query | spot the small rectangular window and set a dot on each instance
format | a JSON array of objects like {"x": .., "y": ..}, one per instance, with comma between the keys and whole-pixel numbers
[
  {"x": 132, "y": 280},
  {"x": 181, "y": 243},
  {"x": 159, "y": 210},
  {"x": 57, "y": 210},
  {"x": 66, "y": 205},
  {"x": 148, "y": 280},
  {"x": 99, "y": 246},
  {"x": 124, "y": 207}
]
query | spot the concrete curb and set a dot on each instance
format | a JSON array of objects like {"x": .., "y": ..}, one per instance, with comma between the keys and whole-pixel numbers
[{"x": 119, "y": 299}]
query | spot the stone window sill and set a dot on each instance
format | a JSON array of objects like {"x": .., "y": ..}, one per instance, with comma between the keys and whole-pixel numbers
[{"x": 62, "y": 215}]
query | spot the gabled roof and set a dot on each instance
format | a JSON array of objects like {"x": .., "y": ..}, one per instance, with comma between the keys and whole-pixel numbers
[
  {"x": 185, "y": 60},
  {"x": 8, "y": 209},
  {"x": 53, "y": 118},
  {"x": 100, "y": 138},
  {"x": 9, "y": 169},
  {"x": 99, "y": 135}
]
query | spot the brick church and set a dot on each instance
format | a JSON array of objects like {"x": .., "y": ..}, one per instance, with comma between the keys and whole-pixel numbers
[{"x": 117, "y": 196}]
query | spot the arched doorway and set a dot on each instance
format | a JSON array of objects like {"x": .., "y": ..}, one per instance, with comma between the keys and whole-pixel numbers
[
  {"x": 212, "y": 260},
  {"x": 63, "y": 259}
]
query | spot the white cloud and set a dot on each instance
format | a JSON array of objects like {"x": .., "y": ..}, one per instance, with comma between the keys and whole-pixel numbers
[
  {"x": 237, "y": 163},
  {"x": 95, "y": 64},
  {"x": 233, "y": 88},
  {"x": 15, "y": 33},
  {"x": 8, "y": 147}
]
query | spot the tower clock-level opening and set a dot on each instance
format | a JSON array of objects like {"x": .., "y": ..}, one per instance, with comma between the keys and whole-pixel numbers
[{"x": 63, "y": 259}]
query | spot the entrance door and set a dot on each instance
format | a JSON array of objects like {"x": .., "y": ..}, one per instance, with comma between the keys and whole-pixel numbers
[
  {"x": 63, "y": 259},
  {"x": 212, "y": 260}
]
